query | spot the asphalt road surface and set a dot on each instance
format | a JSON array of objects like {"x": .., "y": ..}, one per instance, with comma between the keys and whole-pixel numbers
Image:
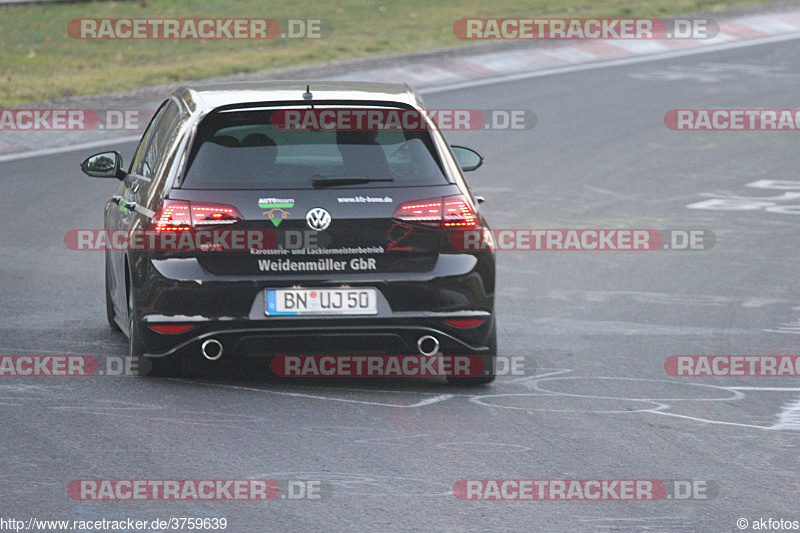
[{"x": 594, "y": 329}]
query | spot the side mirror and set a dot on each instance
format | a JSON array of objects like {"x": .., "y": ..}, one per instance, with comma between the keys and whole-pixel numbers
[
  {"x": 467, "y": 158},
  {"x": 104, "y": 165}
]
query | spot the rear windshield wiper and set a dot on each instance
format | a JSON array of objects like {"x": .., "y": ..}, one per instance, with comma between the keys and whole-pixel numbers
[{"x": 336, "y": 182}]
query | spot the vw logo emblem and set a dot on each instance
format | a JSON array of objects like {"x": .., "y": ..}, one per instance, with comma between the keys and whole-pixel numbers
[{"x": 318, "y": 219}]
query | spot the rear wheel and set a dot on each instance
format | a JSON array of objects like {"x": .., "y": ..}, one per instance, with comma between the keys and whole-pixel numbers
[
  {"x": 110, "y": 303},
  {"x": 488, "y": 366},
  {"x": 167, "y": 366}
]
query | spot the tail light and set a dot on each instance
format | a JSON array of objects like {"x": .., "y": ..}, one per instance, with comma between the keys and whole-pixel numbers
[
  {"x": 171, "y": 328},
  {"x": 174, "y": 215},
  {"x": 204, "y": 214},
  {"x": 423, "y": 212},
  {"x": 465, "y": 322},
  {"x": 179, "y": 215},
  {"x": 458, "y": 213},
  {"x": 448, "y": 212}
]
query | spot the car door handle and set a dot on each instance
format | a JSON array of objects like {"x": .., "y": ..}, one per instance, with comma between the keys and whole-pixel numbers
[
  {"x": 131, "y": 206},
  {"x": 116, "y": 199}
]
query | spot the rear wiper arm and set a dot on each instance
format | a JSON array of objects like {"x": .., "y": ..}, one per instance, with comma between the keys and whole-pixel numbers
[{"x": 336, "y": 182}]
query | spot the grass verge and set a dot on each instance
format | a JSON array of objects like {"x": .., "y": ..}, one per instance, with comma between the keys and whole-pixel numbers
[{"x": 39, "y": 61}]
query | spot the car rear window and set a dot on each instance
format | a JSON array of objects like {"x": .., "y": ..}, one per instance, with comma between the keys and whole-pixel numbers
[{"x": 252, "y": 150}]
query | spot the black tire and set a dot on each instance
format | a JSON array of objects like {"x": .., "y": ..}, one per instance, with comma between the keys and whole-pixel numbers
[
  {"x": 135, "y": 347},
  {"x": 488, "y": 366},
  {"x": 167, "y": 366},
  {"x": 110, "y": 304}
]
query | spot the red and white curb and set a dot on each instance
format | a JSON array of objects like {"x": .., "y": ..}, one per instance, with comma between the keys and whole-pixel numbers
[
  {"x": 520, "y": 62},
  {"x": 431, "y": 76}
]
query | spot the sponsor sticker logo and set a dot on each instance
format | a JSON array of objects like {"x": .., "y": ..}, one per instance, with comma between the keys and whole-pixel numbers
[
  {"x": 357, "y": 264},
  {"x": 276, "y": 209},
  {"x": 277, "y": 215},
  {"x": 270, "y": 203},
  {"x": 364, "y": 200},
  {"x": 397, "y": 234}
]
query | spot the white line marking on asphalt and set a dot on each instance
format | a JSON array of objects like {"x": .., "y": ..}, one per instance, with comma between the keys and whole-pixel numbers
[
  {"x": 770, "y": 389},
  {"x": 71, "y": 148},
  {"x": 483, "y": 447},
  {"x": 789, "y": 418},
  {"x": 382, "y": 439},
  {"x": 528, "y": 381},
  {"x": 435, "y": 399},
  {"x": 707, "y": 421},
  {"x": 483, "y": 82},
  {"x": 632, "y": 519},
  {"x": 612, "y": 63}
]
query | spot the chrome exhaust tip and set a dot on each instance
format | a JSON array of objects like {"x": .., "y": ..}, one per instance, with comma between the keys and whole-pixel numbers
[
  {"x": 428, "y": 345},
  {"x": 212, "y": 349}
]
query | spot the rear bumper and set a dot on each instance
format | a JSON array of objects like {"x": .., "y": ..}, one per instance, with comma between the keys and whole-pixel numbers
[
  {"x": 353, "y": 337},
  {"x": 232, "y": 311}
]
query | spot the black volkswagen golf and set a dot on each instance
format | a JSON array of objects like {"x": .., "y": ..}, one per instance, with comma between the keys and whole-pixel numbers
[{"x": 265, "y": 219}]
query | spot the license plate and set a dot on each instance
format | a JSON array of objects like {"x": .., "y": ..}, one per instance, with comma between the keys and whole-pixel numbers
[{"x": 322, "y": 301}]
